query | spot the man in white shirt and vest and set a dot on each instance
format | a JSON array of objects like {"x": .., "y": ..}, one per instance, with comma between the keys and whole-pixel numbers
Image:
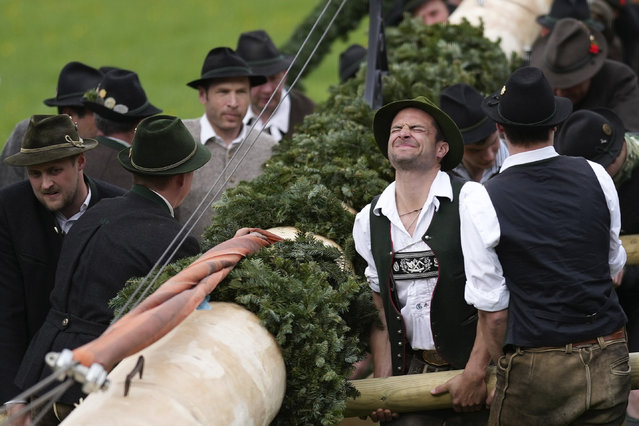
[
  {"x": 541, "y": 244},
  {"x": 409, "y": 237}
]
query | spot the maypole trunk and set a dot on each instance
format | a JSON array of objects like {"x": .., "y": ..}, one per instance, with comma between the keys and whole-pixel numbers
[{"x": 218, "y": 367}]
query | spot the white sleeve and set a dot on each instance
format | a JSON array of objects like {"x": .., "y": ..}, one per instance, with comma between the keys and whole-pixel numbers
[
  {"x": 485, "y": 284},
  {"x": 617, "y": 254},
  {"x": 362, "y": 239}
]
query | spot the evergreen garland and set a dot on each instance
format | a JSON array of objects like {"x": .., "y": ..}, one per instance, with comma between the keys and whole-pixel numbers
[{"x": 319, "y": 313}]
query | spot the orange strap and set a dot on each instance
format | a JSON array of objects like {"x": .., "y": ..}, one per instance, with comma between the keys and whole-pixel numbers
[{"x": 170, "y": 304}]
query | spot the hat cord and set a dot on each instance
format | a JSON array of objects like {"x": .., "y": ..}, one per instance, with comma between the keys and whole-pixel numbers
[
  {"x": 78, "y": 144},
  {"x": 164, "y": 168}
]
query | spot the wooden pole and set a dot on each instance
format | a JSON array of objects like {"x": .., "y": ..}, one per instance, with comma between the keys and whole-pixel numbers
[
  {"x": 218, "y": 367},
  {"x": 631, "y": 244},
  {"x": 403, "y": 394}
]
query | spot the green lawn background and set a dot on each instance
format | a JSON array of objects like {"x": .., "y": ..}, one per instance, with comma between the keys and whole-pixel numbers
[{"x": 165, "y": 42}]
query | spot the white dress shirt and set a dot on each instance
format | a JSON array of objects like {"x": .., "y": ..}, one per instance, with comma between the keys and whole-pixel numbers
[
  {"x": 414, "y": 295},
  {"x": 208, "y": 134},
  {"x": 278, "y": 124},
  {"x": 485, "y": 284},
  {"x": 66, "y": 223}
]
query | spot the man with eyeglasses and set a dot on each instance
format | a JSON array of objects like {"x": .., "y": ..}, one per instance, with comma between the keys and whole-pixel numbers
[{"x": 410, "y": 239}]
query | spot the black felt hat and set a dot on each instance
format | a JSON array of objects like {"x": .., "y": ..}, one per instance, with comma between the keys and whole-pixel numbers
[
  {"x": 350, "y": 60},
  {"x": 463, "y": 104},
  {"x": 259, "y": 52},
  {"x": 572, "y": 53},
  {"x": 596, "y": 135},
  {"x": 162, "y": 145},
  {"x": 75, "y": 78},
  {"x": 120, "y": 97},
  {"x": 50, "y": 138},
  {"x": 577, "y": 9},
  {"x": 527, "y": 100},
  {"x": 384, "y": 119},
  {"x": 223, "y": 62}
]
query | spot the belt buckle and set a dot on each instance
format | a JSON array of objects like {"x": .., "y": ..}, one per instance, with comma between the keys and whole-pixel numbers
[{"x": 433, "y": 358}]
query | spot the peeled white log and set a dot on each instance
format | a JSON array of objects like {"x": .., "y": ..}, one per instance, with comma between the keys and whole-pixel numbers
[
  {"x": 218, "y": 367},
  {"x": 511, "y": 20}
]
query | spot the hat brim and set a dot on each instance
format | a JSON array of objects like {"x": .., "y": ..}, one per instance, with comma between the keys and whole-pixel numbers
[
  {"x": 33, "y": 158},
  {"x": 201, "y": 156},
  {"x": 74, "y": 100},
  {"x": 484, "y": 129},
  {"x": 384, "y": 119},
  {"x": 618, "y": 134},
  {"x": 562, "y": 80},
  {"x": 271, "y": 67},
  {"x": 563, "y": 108},
  {"x": 105, "y": 112},
  {"x": 549, "y": 22}
]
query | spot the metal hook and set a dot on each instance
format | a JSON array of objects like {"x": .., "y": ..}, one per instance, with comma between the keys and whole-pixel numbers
[{"x": 139, "y": 367}]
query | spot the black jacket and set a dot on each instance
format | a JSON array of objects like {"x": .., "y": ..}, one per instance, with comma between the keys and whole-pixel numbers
[
  {"x": 119, "y": 239},
  {"x": 29, "y": 251}
]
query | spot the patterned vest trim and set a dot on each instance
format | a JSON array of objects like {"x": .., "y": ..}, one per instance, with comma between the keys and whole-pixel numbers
[{"x": 453, "y": 322}]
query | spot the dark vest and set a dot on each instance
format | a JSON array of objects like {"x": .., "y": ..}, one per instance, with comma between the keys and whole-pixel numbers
[
  {"x": 553, "y": 248},
  {"x": 453, "y": 322}
]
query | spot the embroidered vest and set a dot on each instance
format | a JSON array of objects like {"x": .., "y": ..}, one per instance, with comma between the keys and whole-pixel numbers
[{"x": 453, "y": 321}]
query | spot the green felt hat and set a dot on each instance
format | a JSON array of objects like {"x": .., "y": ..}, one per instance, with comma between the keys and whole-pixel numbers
[
  {"x": 384, "y": 119},
  {"x": 162, "y": 146},
  {"x": 50, "y": 138}
]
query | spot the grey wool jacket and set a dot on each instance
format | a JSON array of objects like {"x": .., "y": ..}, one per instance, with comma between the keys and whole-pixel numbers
[{"x": 203, "y": 178}]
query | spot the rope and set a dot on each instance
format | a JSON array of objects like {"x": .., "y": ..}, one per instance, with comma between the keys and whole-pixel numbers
[
  {"x": 245, "y": 146},
  {"x": 149, "y": 280}
]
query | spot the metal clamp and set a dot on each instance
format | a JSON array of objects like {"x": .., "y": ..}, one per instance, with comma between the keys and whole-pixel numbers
[{"x": 92, "y": 378}]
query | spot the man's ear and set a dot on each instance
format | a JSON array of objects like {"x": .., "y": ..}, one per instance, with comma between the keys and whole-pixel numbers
[{"x": 442, "y": 150}]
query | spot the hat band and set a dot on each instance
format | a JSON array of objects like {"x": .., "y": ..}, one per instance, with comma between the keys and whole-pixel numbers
[
  {"x": 140, "y": 108},
  {"x": 267, "y": 61},
  {"x": 70, "y": 144},
  {"x": 573, "y": 67},
  {"x": 474, "y": 126},
  {"x": 162, "y": 169},
  {"x": 225, "y": 72},
  {"x": 514, "y": 123},
  {"x": 68, "y": 95}
]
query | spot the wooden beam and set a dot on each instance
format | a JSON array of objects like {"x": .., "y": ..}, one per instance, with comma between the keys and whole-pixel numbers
[{"x": 403, "y": 394}]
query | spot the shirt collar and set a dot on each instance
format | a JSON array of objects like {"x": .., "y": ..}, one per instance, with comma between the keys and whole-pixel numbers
[
  {"x": 207, "y": 133},
  {"x": 66, "y": 223},
  {"x": 529, "y": 157},
  {"x": 279, "y": 122},
  {"x": 441, "y": 187}
]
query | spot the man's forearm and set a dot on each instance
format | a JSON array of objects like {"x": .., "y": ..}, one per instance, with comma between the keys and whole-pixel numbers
[{"x": 493, "y": 331}]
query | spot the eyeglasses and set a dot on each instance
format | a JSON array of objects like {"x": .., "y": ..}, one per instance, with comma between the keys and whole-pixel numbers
[{"x": 414, "y": 128}]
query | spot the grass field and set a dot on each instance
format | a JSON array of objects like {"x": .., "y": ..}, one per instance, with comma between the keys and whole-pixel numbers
[{"x": 164, "y": 41}]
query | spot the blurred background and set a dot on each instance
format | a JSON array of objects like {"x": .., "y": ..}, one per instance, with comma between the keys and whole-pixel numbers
[{"x": 165, "y": 42}]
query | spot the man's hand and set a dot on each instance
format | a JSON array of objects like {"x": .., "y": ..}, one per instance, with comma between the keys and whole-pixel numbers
[
  {"x": 383, "y": 415},
  {"x": 467, "y": 391},
  {"x": 23, "y": 420},
  {"x": 617, "y": 279}
]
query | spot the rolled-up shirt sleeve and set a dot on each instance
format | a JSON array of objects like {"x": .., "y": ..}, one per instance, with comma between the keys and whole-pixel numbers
[
  {"x": 617, "y": 254},
  {"x": 485, "y": 284}
]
